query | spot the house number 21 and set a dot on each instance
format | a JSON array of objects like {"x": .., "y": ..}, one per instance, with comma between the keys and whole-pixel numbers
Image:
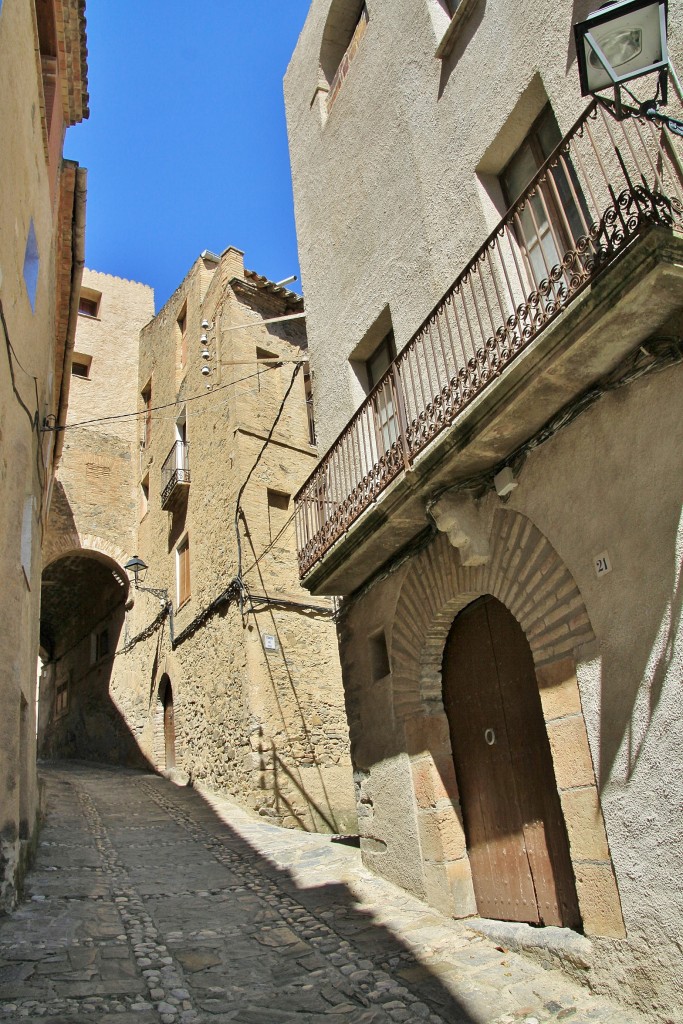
[{"x": 602, "y": 564}]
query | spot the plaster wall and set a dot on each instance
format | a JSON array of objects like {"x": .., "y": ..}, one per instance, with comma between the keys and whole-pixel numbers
[
  {"x": 28, "y": 344},
  {"x": 615, "y": 467},
  {"x": 395, "y": 186}
]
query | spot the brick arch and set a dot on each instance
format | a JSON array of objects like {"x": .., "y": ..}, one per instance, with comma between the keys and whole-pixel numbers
[
  {"x": 73, "y": 543},
  {"x": 528, "y": 576},
  {"x": 524, "y": 572}
]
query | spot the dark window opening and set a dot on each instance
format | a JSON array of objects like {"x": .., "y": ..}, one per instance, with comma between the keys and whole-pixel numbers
[
  {"x": 88, "y": 306},
  {"x": 379, "y": 656},
  {"x": 81, "y": 365},
  {"x": 147, "y": 422}
]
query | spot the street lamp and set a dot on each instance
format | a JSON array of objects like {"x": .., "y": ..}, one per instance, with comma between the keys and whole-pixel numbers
[
  {"x": 624, "y": 40},
  {"x": 138, "y": 570}
]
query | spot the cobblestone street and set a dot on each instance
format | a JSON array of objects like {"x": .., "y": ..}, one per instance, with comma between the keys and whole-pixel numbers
[{"x": 151, "y": 903}]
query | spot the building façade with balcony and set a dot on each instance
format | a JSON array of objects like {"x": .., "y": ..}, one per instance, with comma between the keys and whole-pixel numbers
[
  {"x": 214, "y": 665},
  {"x": 493, "y": 287}
]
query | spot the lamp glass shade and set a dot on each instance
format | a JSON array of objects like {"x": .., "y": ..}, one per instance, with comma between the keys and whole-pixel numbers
[
  {"x": 632, "y": 37},
  {"x": 137, "y": 567}
]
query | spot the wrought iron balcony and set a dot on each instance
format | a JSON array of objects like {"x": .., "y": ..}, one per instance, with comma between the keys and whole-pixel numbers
[
  {"x": 604, "y": 186},
  {"x": 175, "y": 476}
]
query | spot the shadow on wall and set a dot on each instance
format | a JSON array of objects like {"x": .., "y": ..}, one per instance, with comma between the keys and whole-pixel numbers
[
  {"x": 463, "y": 39},
  {"x": 223, "y": 884},
  {"x": 628, "y": 711},
  {"x": 288, "y": 776},
  {"x": 82, "y": 618}
]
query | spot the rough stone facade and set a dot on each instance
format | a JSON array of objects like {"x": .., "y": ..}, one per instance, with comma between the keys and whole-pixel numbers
[
  {"x": 404, "y": 173},
  {"x": 256, "y": 689},
  {"x": 254, "y": 681},
  {"x": 42, "y": 92}
]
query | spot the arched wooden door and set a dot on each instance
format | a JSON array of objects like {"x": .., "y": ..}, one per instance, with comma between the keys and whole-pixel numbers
[
  {"x": 516, "y": 836},
  {"x": 169, "y": 726}
]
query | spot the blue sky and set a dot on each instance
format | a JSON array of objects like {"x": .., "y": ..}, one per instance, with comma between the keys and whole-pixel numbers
[{"x": 186, "y": 144}]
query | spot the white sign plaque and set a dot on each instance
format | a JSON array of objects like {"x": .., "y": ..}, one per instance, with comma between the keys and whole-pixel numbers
[
  {"x": 269, "y": 642},
  {"x": 602, "y": 564}
]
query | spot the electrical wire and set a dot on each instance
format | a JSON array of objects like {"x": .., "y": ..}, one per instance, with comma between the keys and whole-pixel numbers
[
  {"x": 33, "y": 418},
  {"x": 238, "y": 503},
  {"x": 167, "y": 405}
]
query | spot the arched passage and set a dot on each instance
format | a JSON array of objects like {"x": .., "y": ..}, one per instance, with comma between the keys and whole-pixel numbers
[{"x": 83, "y": 600}]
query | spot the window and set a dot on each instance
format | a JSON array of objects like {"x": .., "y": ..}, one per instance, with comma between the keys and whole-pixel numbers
[
  {"x": 182, "y": 465},
  {"x": 310, "y": 412},
  {"x": 550, "y": 222},
  {"x": 182, "y": 330},
  {"x": 147, "y": 420},
  {"x": 183, "y": 571},
  {"x": 266, "y": 364},
  {"x": 278, "y": 513},
  {"x": 80, "y": 365},
  {"x": 144, "y": 496},
  {"x": 379, "y": 656},
  {"x": 61, "y": 697},
  {"x": 383, "y": 401},
  {"x": 51, "y": 73},
  {"x": 89, "y": 302},
  {"x": 31, "y": 265},
  {"x": 346, "y": 25},
  {"x": 99, "y": 645},
  {"x": 381, "y": 358}
]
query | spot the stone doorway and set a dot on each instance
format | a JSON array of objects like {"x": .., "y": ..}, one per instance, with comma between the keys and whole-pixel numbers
[
  {"x": 515, "y": 832},
  {"x": 169, "y": 722}
]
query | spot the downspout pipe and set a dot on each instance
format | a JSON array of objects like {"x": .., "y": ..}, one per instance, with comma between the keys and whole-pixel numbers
[{"x": 77, "y": 265}]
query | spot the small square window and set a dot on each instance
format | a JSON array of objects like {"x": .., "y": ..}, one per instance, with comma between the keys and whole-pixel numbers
[
  {"x": 89, "y": 302},
  {"x": 31, "y": 266},
  {"x": 80, "y": 365}
]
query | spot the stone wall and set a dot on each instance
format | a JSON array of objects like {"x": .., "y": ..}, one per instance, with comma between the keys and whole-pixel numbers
[{"x": 266, "y": 725}]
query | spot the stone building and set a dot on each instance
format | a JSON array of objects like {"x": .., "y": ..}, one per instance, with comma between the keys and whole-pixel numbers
[
  {"x": 43, "y": 90},
  {"x": 216, "y": 667},
  {"x": 493, "y": 290}
]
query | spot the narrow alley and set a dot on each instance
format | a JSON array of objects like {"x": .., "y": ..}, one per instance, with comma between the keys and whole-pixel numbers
[{"x": 150, "y": 902}]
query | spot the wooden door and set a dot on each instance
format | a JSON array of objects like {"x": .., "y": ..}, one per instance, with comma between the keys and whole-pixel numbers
[
  {"x": 169, "y": 727},
  {"x": 516, "y": 836}
]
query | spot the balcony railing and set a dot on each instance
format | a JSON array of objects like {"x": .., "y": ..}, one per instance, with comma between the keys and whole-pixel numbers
[
  {"x": 175, "y": 474},
  {"x": 603, "y": 185}
]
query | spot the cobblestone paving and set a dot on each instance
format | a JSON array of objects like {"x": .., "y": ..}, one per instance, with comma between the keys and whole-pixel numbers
[{"x": 152, "y": 904}]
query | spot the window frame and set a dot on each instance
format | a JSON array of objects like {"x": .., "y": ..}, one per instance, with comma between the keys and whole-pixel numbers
[
  {"x": 183, "y": 576},
  {"x": 84, "y": 360},
  {"x": 146, "y": 395}
]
